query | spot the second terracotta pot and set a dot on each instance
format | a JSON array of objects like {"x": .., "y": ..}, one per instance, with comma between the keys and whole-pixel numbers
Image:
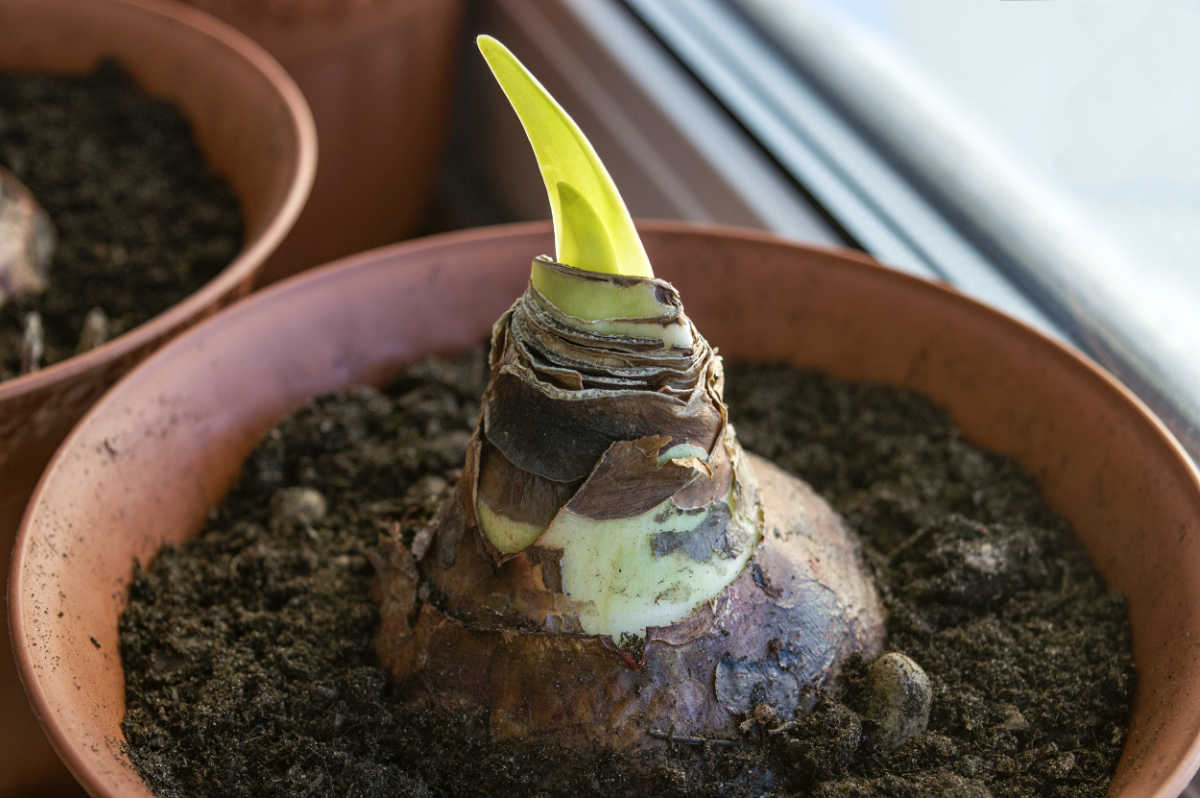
[
  {"x": 165, "y": 444},
  {"x": 379, "y": 76},
  {"x": 254, "y": 127}
]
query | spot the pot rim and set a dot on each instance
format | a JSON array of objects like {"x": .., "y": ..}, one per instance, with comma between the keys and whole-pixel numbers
[
  {"x": 1173, "y": 782},
  {"x": 303, "y": 130}
]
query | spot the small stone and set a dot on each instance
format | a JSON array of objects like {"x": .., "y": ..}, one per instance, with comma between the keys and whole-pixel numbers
[
  {"x": 296, "y": 508},
  {"x": 33, "y": 343},
  {"x": 94, "y": 332},
  {"x": 901, "y": 698},
  {"x": 429, "y": 486},
  {"x": 1013, "y": 719}
]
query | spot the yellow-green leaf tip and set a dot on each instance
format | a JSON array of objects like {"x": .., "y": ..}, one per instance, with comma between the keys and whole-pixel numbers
[{"x": 592, "y": 227}]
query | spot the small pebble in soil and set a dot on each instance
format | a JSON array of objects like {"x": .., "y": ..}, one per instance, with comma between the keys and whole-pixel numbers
[
  {"x": 141, "y": 219},
  {"x": 33, "y": 343},
  {"x": 250, "y": 668},
  {"x": 296, "y": 508},
  {"x": 901, "y": 698},
  {"x": 94, "y": 332}
]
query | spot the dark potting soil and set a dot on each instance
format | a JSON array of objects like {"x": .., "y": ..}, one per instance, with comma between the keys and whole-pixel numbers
[
  {"x": 248, "y": 651},
  {"x": 141, "y": 219}
]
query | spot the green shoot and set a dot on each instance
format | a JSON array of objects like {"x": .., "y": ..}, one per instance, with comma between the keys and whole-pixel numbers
[{"x": 592, "y": 227}]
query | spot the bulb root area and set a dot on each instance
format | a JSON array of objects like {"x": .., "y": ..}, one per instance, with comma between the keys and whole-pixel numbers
[{"x": 801, "y": 605}]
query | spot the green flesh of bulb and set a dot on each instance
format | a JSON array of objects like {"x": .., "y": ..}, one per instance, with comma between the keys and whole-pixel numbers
[
  {"x": 603, "y": 307},
  {"x": 622, "y": 587}
]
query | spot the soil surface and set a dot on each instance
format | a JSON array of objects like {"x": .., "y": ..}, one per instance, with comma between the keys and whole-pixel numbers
[
  {"x": 141, "y": 219},
  {"x": 248, "y": 651}
]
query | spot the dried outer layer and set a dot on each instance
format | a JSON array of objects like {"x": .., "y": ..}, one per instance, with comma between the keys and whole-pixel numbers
[
  {"x": 26, "y": 240},
  {"x": 563, "y": 388},
  {"x": 604, "y": 448},
  {"x": 802, "y": 603}
]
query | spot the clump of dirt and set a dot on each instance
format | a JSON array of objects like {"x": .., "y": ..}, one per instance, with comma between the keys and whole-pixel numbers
[
  {"x": 141, "y": 219},
  {"x": 249, "y": 659}
]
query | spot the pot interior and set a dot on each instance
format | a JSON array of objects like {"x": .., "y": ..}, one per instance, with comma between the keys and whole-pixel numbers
[
  {"x": 164, "y": 445},
  {"x": 241, "y": 121}
]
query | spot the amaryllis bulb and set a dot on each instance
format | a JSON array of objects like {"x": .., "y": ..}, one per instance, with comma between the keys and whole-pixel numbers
[{"x": 611, "y": 563}]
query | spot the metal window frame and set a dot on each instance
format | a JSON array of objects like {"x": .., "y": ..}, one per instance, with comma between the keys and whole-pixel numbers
[
  {"x": 884, "y": 157},
  {"x": 699, "y": 118},
  {"x": 674, "y": 151}
]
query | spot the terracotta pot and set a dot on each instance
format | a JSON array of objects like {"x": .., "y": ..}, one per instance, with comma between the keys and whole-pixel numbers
[
  {"x": 165, "y": 444},
  {"x": 252, "y": 125},
  {"x": 379, "y": 77}
]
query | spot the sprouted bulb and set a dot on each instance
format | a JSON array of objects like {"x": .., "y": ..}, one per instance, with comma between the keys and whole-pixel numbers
[{"x": 613, "y": 568}]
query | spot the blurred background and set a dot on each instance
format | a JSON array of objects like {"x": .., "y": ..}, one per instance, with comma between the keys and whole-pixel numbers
[{"x": 1037, "y": 154}]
